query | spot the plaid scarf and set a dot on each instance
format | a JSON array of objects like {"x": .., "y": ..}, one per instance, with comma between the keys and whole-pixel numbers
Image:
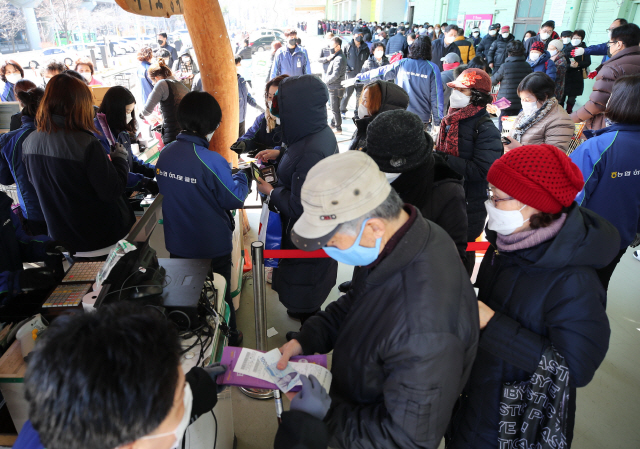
[{"x": 448, "y": 138}]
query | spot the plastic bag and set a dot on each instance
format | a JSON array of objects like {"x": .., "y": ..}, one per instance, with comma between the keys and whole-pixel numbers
[{"x": 270, "y": 232}]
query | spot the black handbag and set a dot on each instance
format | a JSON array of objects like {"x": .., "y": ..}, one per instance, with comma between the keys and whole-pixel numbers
[{"x": 534, "y": 413}]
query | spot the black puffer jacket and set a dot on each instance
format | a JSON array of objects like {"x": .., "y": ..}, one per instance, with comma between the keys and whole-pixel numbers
[
  {"x": 546, "y": 295},
  {"x": 398, "y": 367},
  {"x": 497, "y": 53},
  {"x": 479, "y": 146},
  {"x": 483, "y": 48},
  {"x": 509, "y": 75},
  {"x": 438, "y": 193},
  {"x": 302, "y": 284},
  {"x": 356, "y": 57},
  {"x": 393, "y": 97},
  {"x": 574, "y": 82}
]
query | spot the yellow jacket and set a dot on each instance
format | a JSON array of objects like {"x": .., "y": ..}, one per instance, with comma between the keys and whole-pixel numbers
[{"x": 467, "y": 50}]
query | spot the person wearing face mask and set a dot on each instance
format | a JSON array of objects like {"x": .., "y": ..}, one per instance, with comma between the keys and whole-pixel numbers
[
  {"x": 384, "y": 378},
  {"x": 357, "y": 54},
  {"x": 84, "y": 67},
  {"x": 442, "y": 47},
  {"x": 382, "y": 38},
  {"x": 475, "y": 38},
  {"x": 540, "y": 60},
  {"x": 266, "y": 132},
  {"x": 483, "y": 48},
  {"x": 200, "y": 192},
  {"x": 291, "y": 60},
  {"x": 326, "y": 52},
  {"x": 119, "y": 105},
  {"x": 565, "y": 37},
  {"x": 624, "y": 60},
  {"x": 10, "y": 73},
  {"x": 435, "y": 33},
  {"x": 185, "y": 69},
  {"x": 398, "y": 43},
  {"x": 449, "y": 65},
  {"x": 578, "y": 67},
  {"x": 528, "y": 35},
  {"x": 377, "y": 58},
  {"x": 167, "y": 92},
  {"x": 421, "y": 178},
  {"x": 411, "y": 38},
  {"x": 50, "y": 69},
  {"x": 510, "y": 74},
  {"x": 333, "y": 79},
  {"x": 559, "y": 60},
  {"x": 470, "y": 143},
  {"x": 600, "y": 49},
  {"x": 467, "y": 50},
  {"x": 542, "y": 119},
  {"x": 546, "y": 35},
  {"x": 164, "y": 44},
  {"x": 497, "y": 53},
  {"x": 538, "y": 289}
]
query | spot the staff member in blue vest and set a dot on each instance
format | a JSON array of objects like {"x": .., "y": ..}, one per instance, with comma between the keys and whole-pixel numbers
[
  {"x": 199, "y": 193},
  {"x": 291, "y": 60}
]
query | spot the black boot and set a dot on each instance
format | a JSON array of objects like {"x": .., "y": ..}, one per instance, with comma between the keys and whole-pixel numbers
[{"x": 235, "y": 338}]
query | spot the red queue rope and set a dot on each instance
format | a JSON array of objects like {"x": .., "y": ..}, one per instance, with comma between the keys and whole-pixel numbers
[{"x": 319, "y": 254}]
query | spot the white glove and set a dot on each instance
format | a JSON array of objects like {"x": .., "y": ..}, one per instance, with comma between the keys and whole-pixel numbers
[
  {"x": 578, "y": 51},
  {"x": 349, "y": 82}
]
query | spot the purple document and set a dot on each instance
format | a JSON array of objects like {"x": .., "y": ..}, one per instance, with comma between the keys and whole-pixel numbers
[{"x": 502, "y": 103}]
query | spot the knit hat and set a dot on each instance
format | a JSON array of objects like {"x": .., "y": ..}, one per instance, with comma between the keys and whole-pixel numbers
[
  {"x": 537, "y": 46},
  {"x": 476, "y": 78},
  {"x": 540, "y": 176},
  {"x": 397, "y": 142},
  {"x": 505, "y": 29}
]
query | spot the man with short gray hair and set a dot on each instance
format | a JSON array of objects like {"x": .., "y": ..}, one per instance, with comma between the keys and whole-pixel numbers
[{"x": 405, "y": 336}]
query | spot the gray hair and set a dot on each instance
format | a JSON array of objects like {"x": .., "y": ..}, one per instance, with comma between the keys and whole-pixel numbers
[{"x": 390, "y": 209}]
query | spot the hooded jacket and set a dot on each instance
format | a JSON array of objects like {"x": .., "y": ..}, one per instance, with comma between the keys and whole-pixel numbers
[
  {"x": 609, "y": 164},
  {"x": 509, "y": 75},
  {"x": 497, "y": 53},
  {"x": 302, "y": 284},
  {"x": 546, "y": 295},
  {"x": 13, "y": 170},
  {"x": 625, "y": 62},
  {"x": 467, "y": 49},
  {"x": 543, "y": 64},
  {"x": 81, "y": 191},
  {"x": 403, "y": 339},
  {"x": 393, "y": 97},
  {"x": 421, "y": 80},
  {"x": 483, "y": 48}
]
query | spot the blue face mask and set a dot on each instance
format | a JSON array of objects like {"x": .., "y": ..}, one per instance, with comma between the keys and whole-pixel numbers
[{"x": 356, "y": 255}]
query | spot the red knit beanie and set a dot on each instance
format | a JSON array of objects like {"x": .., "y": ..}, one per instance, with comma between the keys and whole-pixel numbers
[
  {"x": 537, "y": 46},
  {"x": 540, "y": 176}
]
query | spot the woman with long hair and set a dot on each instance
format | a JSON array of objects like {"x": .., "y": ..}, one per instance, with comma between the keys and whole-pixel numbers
[{"x": 80, "y": 189}]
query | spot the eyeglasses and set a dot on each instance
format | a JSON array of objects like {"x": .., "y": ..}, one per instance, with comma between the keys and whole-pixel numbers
[
  {"x": 610, "y": 43},
  {"x": 497, "y": 200}
]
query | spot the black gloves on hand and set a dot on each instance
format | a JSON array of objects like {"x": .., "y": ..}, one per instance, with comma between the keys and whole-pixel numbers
[
  {"x": 118, "y": 150},
  {"x": 36, "y": 279},
  {"x": 214, "y": 371},
  {"x": 239, "y": 147},
  {"x": 150, "y": 186},
  {"x": 56, "y": 248}
]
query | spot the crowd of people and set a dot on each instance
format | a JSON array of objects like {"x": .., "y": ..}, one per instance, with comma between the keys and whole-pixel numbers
[{"x": 417, "y": 354}]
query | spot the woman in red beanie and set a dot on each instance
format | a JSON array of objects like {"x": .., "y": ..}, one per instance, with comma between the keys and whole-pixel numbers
[{"x": 538, "y": 293}]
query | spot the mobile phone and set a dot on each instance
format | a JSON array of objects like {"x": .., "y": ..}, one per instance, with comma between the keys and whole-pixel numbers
[{"x": 505, "y": 140}]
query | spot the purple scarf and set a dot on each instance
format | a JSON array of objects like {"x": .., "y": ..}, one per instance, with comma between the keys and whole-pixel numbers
[{"x": 531, "y": 238}]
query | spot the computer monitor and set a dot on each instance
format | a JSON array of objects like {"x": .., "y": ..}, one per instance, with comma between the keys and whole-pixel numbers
[{"x": 142, "y": 230}]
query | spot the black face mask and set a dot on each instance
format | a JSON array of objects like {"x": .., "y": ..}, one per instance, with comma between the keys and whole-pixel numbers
[
  {"x": 160, "y": 42},
  {"x": 333, "y": 50},
  {"x": 293, "y": 42},
  {"x": 358, "y": 39}
]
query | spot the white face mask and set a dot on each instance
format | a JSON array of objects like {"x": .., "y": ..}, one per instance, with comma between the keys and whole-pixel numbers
[
  {"x": 492, "y": 33},
  {"x": 449, "y": 39},
  {"x": 362, "y": 111},
  {"x": 392, "y": 177},
  {"x": 544, "y": 36},
  {"x": 529, "y": 107},
  {"x": 534, "y": 56},
  {"x": 87, "y": 75},
  {"x": 527, "y": 38},
  {"x": 458, "y": 99},
  {"x": 503, "y": 222},
  {"x": 566, "y": 40},
  {"x": 505, "y": 35},
  {"x": 13, "y": 78},
  {"x": 128, "y": 118},
  {"x": 476, "y": 33},
  {"x": 379, "y": 54},
  {"x": 609, "y": 33},
  {"x": 209, "y": 136},
  {"x": 553, "y": 52},
  {"x": 277, "y": 120},
  {"x": 576, "y": 42},
  {"x": 184, "y": 423}
]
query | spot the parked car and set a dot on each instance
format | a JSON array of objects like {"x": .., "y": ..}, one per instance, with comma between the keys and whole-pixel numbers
[
  {"x": 131, "y": 44},
  {"x": 127, "y": 46},
  {"x": 148, "y": 42},
  {"x": 79, "y": 49},
  {"x": 59, "y": 53},
  {"x": 261, "y": 40}
]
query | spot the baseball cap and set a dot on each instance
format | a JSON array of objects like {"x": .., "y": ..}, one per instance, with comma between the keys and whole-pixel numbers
[
  {"x": 338, "y": 189},
  {"x": 451, "y": 58},
  {"x": 505, "y": 29},
  {"x": 495, "y": 26}
]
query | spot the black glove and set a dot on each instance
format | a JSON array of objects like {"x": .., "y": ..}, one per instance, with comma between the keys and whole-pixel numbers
[
  {"x": 36, "y": 279},
  {"x": 150, "y": 186},
  {"x": 118, "y": 150},
  {"x": 214, "y": 371},
  {"x": 56, "y": 248},
  {"x": 239, "y": 147}
]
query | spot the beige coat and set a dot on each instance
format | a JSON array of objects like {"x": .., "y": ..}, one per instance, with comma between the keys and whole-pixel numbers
[{"x": 556, "y": 128}]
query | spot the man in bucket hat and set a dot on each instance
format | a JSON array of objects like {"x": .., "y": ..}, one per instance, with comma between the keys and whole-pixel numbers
[{"x": 405, "y": 336}]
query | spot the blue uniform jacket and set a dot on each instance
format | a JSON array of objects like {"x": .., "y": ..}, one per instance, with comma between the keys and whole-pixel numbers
[
  {"x": 611, "y": 171},
  {"x": 8, "y": 93},
  {"x": 544, "y": 64},
  {"x": 421, "y": 80},
  {"x": 12, "y": 169},
  {"x": 145, "y": 81},
  {"x": 257, "y": 137},
  {"x": 597, "y": 50},
  {"x": 245, "y": 97},
  {"x": 137, "y": 168},
  {"x": 199, "y": 191},
  {"x": 286, "y": 63}
]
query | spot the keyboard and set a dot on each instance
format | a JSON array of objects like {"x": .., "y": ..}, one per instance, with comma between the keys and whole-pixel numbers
[
  {"x": 67, "y": 295},
  {"x": 83, "y": 272}
]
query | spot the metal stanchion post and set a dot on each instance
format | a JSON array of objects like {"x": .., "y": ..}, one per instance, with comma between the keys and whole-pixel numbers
[{"x": 260, "y": 307}]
